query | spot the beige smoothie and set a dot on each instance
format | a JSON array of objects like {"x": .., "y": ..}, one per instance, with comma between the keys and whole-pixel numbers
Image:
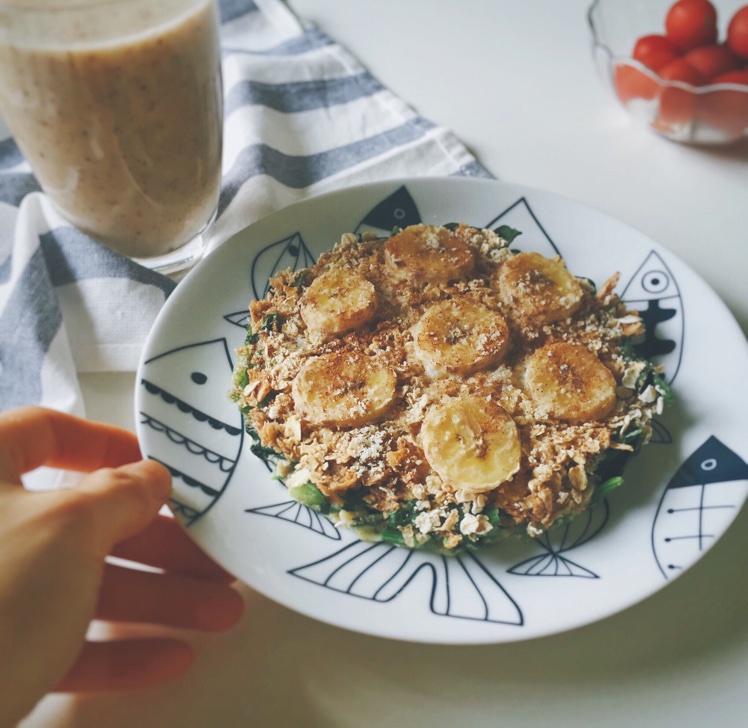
[{"x": 119, "y": 112}]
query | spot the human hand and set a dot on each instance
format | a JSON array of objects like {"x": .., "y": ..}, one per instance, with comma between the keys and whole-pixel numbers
[{"x": 53, "y": 576}]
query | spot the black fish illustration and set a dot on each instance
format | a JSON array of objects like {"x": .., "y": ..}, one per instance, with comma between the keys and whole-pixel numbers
[
  {"x": 301, "y": 515},
  {"x": 398, "y": 210},
  {"x": 654, "y": 292},
  {"x": 560, "y": 540},
  {"x": 660, "y": 434},
  {"x": 291, "y": 252},
  {"x": 520, "y": 216},
  {"x": 184, "y": 391},
  {"x": 700, "y": 500},
  {"x": 238, "y": 318},
  {"x": 461, "y": 586}
]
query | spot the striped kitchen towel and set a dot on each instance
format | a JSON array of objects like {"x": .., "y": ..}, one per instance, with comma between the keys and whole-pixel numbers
[{"x": 302, "y": 117}]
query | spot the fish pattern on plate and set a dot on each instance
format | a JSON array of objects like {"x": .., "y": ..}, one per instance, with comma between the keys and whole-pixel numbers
[
  {"x": 461, "y": 587},
  {"x": 520, "y": 216},
  {"x": 700, "y": 498},
  {"x": 557, "y": 542},
  {"x": 654, "y": 292},
  {"x": 397, "y": 210},
  {"x": 184, "y": 391}
]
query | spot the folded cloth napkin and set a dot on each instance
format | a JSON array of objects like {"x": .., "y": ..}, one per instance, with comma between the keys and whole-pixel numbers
[{"x": 302, "y": 117}]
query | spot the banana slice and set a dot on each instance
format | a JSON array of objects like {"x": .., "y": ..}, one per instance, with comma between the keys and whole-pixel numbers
[
  {"x": 344, "y": 389},
  {"x": 472, "y": 443},
  {"x": 570, "y": 382},
  {"x": 460, "y": 336},
  {"x": 428, "y": 253},
  {"x": 336, "y": 302},
  {"x": 539, "y": 288}
]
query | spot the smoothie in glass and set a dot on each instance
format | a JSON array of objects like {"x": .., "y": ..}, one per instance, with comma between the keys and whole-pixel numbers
[{"x": 117, "y": 106}]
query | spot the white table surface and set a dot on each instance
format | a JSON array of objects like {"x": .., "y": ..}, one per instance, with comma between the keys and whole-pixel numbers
[{"x": 514, "y": 79}]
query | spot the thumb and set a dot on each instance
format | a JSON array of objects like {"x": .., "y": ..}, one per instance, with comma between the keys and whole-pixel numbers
[{"x": 122, "y": 501}]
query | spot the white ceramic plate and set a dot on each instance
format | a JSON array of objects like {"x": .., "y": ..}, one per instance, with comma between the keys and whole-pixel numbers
[{"x": 680, "y": 494}]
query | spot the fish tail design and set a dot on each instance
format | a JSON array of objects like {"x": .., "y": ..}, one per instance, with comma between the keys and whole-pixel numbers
[
  {"x": 301, "y": 515},
  {"x": 462, "y": 587}
]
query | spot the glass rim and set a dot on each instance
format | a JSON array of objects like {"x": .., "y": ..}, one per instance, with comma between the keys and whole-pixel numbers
[{"x": 24, "y": 6}]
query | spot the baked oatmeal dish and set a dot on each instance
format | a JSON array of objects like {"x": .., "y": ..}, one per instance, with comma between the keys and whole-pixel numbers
[{"x": 435, "y": 389}]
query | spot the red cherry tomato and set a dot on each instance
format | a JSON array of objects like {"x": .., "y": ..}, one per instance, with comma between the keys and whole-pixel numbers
[
  {"x": 691, "y": 23},
  {"x": 632, "y": 83},
  {"x": 737, "y": 33},
  {"x": 676, "y": 103},
  {"x": 713, "y": 60},
  {"x": 726, "y": 109},
  {"x": 740, "y": 77},
  {"x": 654, "y": 51}
]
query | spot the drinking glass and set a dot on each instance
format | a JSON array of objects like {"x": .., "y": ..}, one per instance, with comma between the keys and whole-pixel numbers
[{"x": 118, "y": 107}]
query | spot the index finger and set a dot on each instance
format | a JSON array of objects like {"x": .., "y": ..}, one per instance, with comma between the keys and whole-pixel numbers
[{"x": 34, "y": 436}]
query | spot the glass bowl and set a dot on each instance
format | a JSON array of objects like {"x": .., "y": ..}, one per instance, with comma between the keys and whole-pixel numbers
[{"x": 710, "y": 114}]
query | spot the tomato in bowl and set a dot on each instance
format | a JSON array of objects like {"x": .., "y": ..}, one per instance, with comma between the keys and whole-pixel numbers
[{"x": 680, "y": 68}]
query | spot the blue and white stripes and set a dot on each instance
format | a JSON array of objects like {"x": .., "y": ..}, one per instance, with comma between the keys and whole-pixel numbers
[{"x": 302, "y": 117}]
